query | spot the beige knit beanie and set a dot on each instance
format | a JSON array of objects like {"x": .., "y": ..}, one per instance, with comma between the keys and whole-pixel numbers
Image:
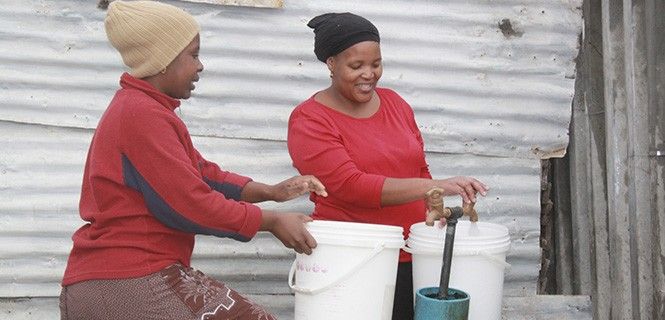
[{"x": 148, "y": 34}]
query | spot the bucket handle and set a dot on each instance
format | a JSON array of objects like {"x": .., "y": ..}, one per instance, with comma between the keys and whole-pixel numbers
[
  {"x": 377, "y": 249},
  {"x": 494, "y": 259}
]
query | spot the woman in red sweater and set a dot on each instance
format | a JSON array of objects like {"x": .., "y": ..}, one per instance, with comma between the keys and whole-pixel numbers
[
  {"x": 147, "y": 191},
  {"x": 363, "y": 143}
]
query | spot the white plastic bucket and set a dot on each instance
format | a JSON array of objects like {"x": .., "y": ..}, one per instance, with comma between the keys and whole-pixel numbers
[
  {"x": 350, "y": 274},
  {"x": 478, "y": 263}
]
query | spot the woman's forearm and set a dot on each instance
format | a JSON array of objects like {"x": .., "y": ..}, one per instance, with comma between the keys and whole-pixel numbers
[
  {"x": 254, "y": 192},
  {"x": 398, "y": 191}
]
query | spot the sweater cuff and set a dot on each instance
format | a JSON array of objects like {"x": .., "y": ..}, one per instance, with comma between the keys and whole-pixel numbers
[
  {"x": 237, "y": 179},
  {"x": 252, "y": 221},
  {"x": 375, "y": 189}
]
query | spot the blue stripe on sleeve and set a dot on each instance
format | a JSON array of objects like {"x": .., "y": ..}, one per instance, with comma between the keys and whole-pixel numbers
[
  {"x": 162, "y": 211},
  {"x": 230, "y": 191}
]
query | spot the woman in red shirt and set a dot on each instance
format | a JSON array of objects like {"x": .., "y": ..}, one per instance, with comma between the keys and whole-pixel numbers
[{"x": 363, "y": 143}]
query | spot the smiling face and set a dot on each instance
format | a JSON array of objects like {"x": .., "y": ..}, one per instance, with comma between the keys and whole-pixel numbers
[
  {"x": 182, "y": 72},
  {"x": 356, "y": 70}
]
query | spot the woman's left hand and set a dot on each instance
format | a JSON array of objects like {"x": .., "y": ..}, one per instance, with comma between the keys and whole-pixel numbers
[
  {"x": 466, "y": 187},
  {"x": 297, "y": 186}
]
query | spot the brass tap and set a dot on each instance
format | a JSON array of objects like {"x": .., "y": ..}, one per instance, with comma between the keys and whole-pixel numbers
[{"x": 436, "y": 209}]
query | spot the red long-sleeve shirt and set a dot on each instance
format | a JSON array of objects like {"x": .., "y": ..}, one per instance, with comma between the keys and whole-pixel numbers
[
  {"x": 353, "y": 157},
  {"x": 147, "y": 191}
]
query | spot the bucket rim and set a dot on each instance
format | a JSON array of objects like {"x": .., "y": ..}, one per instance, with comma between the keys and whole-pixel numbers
[
  {"x": 465, "y": 240},
  {"x": 500, "y": 247},
  {"x": 420, "y": 230},
  {"x": 361, "y": 233},
  {"x": 359, "y": 225},
  {"x": 457, "y": 251},
  {"x": 390, "y": 243},
  {"x": 457, "y": 246},
  {"x": 423, "y": 292},
  {"x": 356, "y": 234}
]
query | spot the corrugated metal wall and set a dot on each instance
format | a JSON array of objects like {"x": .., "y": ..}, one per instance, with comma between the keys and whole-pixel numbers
[
  {"x": 617, "y": 161},
  {"x": 491, "y": 83}
]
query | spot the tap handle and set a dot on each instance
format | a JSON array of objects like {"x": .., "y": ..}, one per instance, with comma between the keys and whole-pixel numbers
[{"x": 469, "y": 211}]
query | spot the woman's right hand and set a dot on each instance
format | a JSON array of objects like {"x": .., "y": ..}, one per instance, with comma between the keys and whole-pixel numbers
[{"x": 289, "y": 228}]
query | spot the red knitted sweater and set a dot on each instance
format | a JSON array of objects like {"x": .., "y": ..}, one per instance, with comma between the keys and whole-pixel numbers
[{"x": 147, "y": 191}]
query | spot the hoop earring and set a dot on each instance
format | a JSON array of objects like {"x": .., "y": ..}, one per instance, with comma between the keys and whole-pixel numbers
[{"x": 163, "y": 71}]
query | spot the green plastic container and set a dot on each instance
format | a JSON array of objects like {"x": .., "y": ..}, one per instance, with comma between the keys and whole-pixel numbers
[{"x": 434, "y": 309}]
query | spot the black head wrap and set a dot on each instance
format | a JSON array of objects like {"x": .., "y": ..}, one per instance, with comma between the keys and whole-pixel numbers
[{"x": 335, "y": 32}]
